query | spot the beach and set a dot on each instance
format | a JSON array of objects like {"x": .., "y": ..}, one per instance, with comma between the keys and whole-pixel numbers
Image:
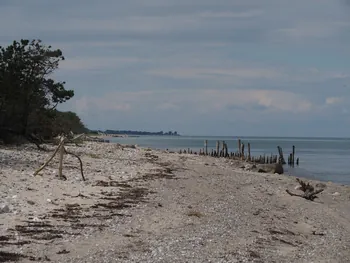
[{"x": 143, "y": 205}]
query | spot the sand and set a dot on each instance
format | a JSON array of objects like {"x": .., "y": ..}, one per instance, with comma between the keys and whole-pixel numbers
[{"x": 141, "y": 205}]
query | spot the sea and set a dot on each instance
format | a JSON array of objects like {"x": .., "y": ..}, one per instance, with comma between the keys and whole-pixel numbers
[{"x": 324, "y": 159}]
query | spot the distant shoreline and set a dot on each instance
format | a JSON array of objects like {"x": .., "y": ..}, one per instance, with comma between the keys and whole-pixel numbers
[{"x": 130, "y": 133}]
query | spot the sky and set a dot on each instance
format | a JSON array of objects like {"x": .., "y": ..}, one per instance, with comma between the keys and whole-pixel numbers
[{"x": 200, "y": 67}]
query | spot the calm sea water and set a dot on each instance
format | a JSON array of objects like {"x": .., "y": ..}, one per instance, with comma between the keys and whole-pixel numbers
[{"x": 325, "y": 159}]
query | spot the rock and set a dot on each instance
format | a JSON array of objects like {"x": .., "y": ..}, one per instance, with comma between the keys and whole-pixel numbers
[
  {"x": 271, "y": 168},
  {"x": 132, "y": 146},
  {"x": 4, "y": 208},
  {"x": 336, "y": 194},
  {"x": 250, "y": 167},
  {"x": 321, "y": 185}
]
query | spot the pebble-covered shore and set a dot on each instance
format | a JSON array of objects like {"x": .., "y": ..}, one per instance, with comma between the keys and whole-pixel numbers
[{"x": 140, "y": 205}]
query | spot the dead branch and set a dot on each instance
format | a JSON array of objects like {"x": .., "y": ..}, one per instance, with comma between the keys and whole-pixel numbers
[
  {"x": 305, "y": 187},
  {"x": 49, "y": 160},
  {"x": 80, "y": 161},
  {"x": 309, "y": 191},
  {"x": 60, "y": 148}
]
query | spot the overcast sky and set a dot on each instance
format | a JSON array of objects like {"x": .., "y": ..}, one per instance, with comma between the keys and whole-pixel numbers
[{"x": 206, "y": 67}]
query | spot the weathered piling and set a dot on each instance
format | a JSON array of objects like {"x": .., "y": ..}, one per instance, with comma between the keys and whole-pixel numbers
[
  {"x": 298, "y": 161},
  {"x": 239, "y": 148},
  {"x": 242, "y": 151},
  {"x": 206, "y": 147},
  {"x": 217, "y": 148},
  {"x": 290, "y": 159},
  {"x": 249, "y": 156},
  {"x": 223, "y": 149},
  {"x": 293, "y": 155},
  {"x": 281, "y": 158}
]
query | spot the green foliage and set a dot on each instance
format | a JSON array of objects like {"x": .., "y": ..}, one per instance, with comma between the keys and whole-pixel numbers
[
  {"x": 67, "y": 122},
  {"x": 28, "y": 94}
]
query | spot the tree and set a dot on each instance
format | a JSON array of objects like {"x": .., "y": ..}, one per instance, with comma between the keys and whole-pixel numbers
[
  {"x": 68, "y": 122},
  {"x": 28, "y": 96}
]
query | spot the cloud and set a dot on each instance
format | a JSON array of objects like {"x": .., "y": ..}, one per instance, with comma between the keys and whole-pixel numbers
[
  {"x": 204, "y": 101},
  {"x": 99, "y": 63},
  {"x": 195, "y": 64},
  {"x": 227, "y": 14},
  {"x": 244, "y": 73},
  {"x": 334, "y": 100}
]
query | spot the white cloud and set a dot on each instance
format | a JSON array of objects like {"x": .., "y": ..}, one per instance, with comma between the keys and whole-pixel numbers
[
  {"x": 200, "y": 101},
  {"x": 98, "y": 63},
  {"x": 334, "y": 100},
  {"x": 228, "y": 14},
  {"x": 244, "y": 73}
]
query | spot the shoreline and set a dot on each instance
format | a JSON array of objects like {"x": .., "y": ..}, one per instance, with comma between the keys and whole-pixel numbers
[
  {"x": 160, "y": 195},
  {"x": 315, "y": 166}
]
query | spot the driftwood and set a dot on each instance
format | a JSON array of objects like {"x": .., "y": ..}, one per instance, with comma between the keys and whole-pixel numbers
[
  {"x": 309, "y": 191},
  {"x": 49, "y": 160},
  {"x": 60, "y": 148},
  {"x": 80, "y": 161}
]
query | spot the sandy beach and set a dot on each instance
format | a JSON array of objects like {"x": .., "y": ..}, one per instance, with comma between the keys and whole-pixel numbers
[{"x": 142, "y": 205}]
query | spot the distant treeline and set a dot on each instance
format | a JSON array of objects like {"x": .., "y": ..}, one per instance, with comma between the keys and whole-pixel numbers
[{"x": 128, "y": 132}]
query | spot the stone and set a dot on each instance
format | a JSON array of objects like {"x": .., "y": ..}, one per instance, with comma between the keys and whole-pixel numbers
[
  {"x": 321, "y": 185},
  {"x": 274, "y": 168},
  {"x": 4, "y": 208}
]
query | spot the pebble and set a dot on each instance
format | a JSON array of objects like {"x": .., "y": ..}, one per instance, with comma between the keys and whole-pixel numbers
[{"x": 4, "y": 208}]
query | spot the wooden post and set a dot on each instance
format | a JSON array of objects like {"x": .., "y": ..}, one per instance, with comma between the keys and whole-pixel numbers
[
  {"x": 239, "y": 148},
  {"x": 249, "y": 157},
  {"x": 242, "y": 151},
  {"x": 217, "y": 148},
  {"x": 60, "y": 167},
  {"x": 298, "y": 161},
  {"x": 223, "y": 149},
  {"x": 206, "y": 147},
  {"x": 281, "y": 158},
  {"x": 293, "y": 155}
]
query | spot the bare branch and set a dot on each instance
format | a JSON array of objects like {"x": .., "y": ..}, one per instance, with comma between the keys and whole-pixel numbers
[
  {"x": 309, "y": 191},
  {"x": 81, "y": 163}
]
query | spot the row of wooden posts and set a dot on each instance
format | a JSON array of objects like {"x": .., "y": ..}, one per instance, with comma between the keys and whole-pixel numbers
[{"x": 221, "y": 150}]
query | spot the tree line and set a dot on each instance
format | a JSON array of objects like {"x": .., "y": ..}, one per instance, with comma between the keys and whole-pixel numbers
[
  {"x": 29, "y": 95},
  {"x": 129, "y": 132}
]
